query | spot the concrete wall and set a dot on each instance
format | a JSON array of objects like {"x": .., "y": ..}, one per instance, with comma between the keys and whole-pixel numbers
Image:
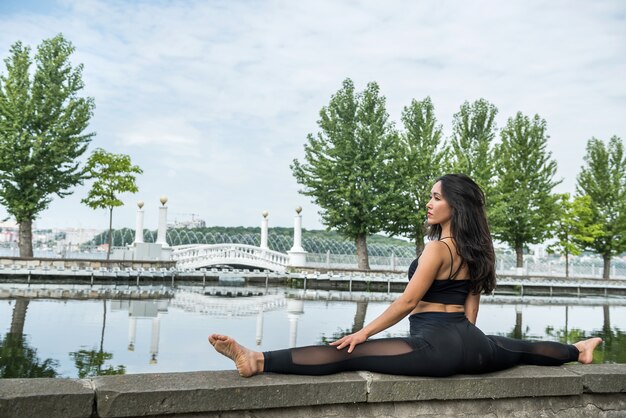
[
  {"x": 568, "y": 391},
  {"x": 69, "y": 263}
]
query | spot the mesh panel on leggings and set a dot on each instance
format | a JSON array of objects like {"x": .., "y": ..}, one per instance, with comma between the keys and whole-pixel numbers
[
  {"x": 388, "y": 355},
  {"x": 541, "y": 353},
  {"x": 329, "y": 354}
]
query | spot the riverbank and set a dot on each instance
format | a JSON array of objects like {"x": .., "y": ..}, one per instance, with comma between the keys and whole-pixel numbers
[
  {"x": 165, "y": 273},
  {"x": 571, "y": 390}
]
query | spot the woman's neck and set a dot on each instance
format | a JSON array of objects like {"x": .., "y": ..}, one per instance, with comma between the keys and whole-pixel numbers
[{"x": 446, "y": 231}]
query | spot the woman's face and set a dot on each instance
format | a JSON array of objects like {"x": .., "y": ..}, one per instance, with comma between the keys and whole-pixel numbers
[{"x": 439, "y": 211}]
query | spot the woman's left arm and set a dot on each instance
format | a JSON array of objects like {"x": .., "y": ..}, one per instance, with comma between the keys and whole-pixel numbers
[
  {"x": 430, "y": 261},
  {"x": 471, "y": 307}
]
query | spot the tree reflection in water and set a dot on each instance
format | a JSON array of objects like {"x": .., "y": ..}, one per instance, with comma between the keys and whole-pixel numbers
[
  {"x": 359, "y": 322},
  {"x": 17, "y": 358},
  {"x": 613, "y": 347},
  {"x": 90, "y": 363}
]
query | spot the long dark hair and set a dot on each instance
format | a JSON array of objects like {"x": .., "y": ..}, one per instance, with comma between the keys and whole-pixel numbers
[{"x": 470, "y": 229}]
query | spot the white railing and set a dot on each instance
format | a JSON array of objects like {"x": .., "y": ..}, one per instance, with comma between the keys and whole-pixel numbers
[
  {"x": 505, "y": 264},
  {"x": 197, "y": 256}
]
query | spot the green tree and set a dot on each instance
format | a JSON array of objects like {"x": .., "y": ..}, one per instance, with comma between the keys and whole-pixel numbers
[
  {"x": 574, "y": 228},
  {"x": 419, "y": 160},
  {"x": 523, "y": 207},
  {"x": 603, "y": 179},
  {"x": 42, "y": 124},
  {"x": 473, "y": 132},
  {"x": 113, "y": 174},
  {"x": 344, "y": 169}
]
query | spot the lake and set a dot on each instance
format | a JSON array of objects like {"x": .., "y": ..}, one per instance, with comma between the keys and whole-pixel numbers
[{"x": 79, "y": 338}]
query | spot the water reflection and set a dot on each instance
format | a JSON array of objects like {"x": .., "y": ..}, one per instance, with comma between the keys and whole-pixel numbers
[
  {"x": 167, "y": 335},
  {"x": 17, "y": 358},
  {"x": 90, "y": 362}
]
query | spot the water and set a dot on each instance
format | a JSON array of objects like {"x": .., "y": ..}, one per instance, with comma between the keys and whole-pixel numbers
[{"x": 79, "y": 338}]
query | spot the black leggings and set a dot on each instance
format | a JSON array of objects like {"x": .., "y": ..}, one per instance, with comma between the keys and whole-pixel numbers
[{"x": 441, "y": 344}]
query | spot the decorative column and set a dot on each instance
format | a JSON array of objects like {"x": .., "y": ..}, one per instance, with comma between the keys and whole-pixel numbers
[
  {"x": 259, "y": 326},
  {"x": 162, "y": 223},
  {"x": 132, "y": 333},
  {"x": 154, "y": 343},
  {"x": 264, "y": 224},
  {"x": 295, "y": 308},
  {"x": 297, "y": 255},
  {"x": 139, "y": 223}
]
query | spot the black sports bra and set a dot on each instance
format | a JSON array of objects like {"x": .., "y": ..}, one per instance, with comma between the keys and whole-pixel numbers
[{"x": 450, "y": 291}]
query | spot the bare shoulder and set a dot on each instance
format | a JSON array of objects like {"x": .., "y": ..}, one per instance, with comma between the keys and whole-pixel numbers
[{"x": 435, "y": 251}]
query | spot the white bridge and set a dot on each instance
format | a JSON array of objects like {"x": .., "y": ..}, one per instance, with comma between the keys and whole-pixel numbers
[{"x": 196, "y": 256}]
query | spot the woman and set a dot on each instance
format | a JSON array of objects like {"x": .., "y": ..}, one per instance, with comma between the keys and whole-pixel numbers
[{"x": 442, "y": 298}]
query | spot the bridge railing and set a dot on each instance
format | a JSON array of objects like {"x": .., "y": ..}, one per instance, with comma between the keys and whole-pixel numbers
[{"x": 202, "y": 255}]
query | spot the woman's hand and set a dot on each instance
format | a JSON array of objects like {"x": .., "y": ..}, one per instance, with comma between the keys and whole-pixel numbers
[{"x": 350, "y": 341}]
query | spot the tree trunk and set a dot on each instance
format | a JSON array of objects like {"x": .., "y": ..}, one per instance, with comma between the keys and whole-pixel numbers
[
  {"x": 519, "y": 256},
  {"x": 19, "y": 317},
  {"x": 606, "y": 271},
  {"x": 566, "y": 264},
  {"x": 110, "y": 233},
  {"x": 359, "y": 316},
  {"x": 419, "y": 247},
  {"x": 26, "y": 238},
  {"x": 419, "y": 241},
  {"x": 517, "y": 331},
  {"x": 606, "y": 326},
  {"x": 361, "y": 252},
  {"x": 104, "y": 321}
]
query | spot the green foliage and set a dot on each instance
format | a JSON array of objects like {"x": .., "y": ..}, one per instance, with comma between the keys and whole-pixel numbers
[
  {"x": 90, "y": 363},
  {"x": 19, "y": 360},
  {"x": 574, "y": 228},
  {"x": 42, "y": 124},
  {"x": 603, "y": 179},
  {"x": 344, "y": 168},
  {"x": 419, "y": 160},
  {"x": 473, "y": 131},
  {"x": 523, "y": 207},
  {"x": 113, "y": 174}
]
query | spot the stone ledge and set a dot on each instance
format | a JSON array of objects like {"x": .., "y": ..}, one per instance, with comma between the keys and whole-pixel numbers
[
  {"x": 46, "y": 398},
  {"x": 154, "y": 394},
  {"x": 600, "y": 378},
  {"x": 522, "y": 381},
  {"x": 575, "y": 388}
]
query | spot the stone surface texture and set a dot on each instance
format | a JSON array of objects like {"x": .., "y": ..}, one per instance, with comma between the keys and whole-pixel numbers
[
  {"x": 525, "y": 391},
  {"x": 46, "y": 398}
]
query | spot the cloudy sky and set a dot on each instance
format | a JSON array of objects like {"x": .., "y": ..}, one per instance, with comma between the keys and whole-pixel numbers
[{"x": 214, "y": 99}]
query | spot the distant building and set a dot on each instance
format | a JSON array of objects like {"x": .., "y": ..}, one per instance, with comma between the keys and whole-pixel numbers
[{"x": 194, "y": 222}]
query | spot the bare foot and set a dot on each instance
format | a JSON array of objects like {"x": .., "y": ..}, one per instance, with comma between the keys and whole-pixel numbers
[
  {"x": 586, "y": 348},
  {"x": 248, "y": 362}
]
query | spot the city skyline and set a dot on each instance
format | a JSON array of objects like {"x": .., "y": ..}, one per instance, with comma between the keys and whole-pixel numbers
[{"x": 215, "y": 99}]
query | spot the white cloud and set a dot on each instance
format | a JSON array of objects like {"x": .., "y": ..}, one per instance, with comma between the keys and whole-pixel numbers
[{"x": 214, "y": 99}]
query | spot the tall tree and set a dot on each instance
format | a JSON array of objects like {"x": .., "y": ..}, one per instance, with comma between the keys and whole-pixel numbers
[
  {"x": 344, "y": 167},
  {"x": 603, "y": 179},
  {"x": 574, "y": 228},
  {"x": 113, "y": 174},
  {"x": 523, "y": 207},
  {"x": 42, "y": 131},
  {"x": 473, "y": 132},
  {"x": 419, "y": 159}
]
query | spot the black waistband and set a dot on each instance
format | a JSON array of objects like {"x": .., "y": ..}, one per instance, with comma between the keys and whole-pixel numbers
[{"x": 438, "y": 316}]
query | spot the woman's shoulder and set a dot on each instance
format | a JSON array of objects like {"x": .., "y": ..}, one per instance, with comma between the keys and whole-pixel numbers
[{"x": 435, "y": 249}]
